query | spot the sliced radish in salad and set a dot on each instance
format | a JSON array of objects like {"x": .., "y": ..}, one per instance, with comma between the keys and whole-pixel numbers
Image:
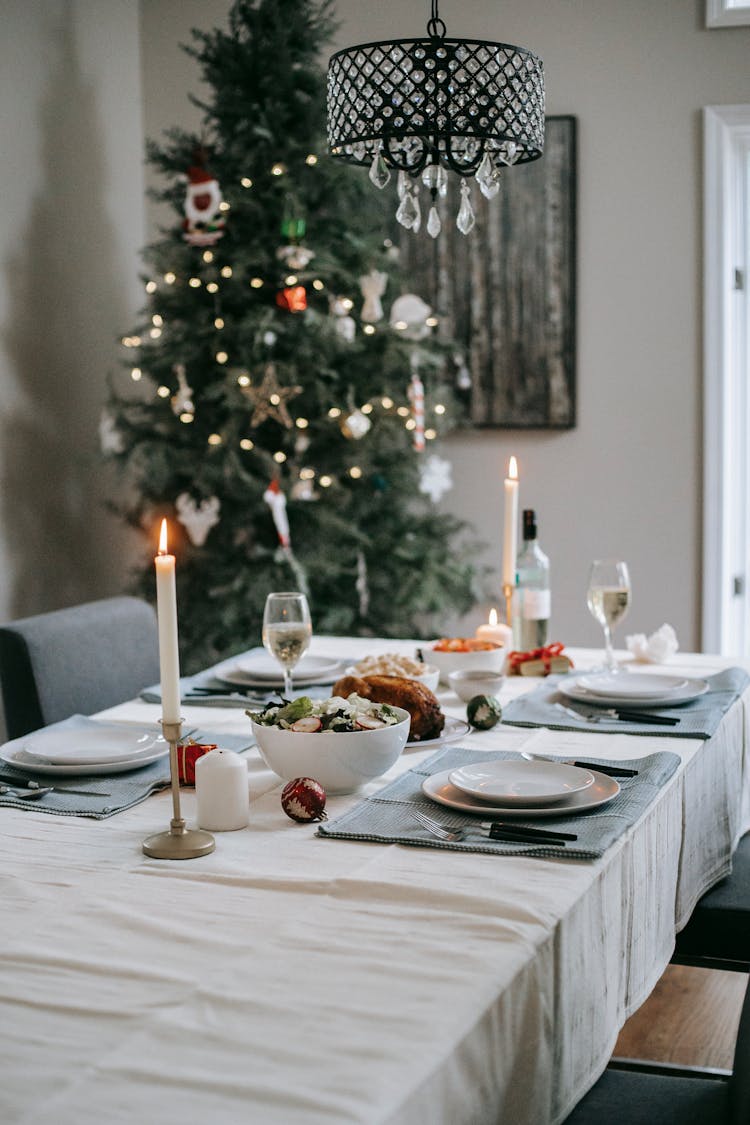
[
  {"x": 309, "y": 725},
  {"x": 364, "y": 722}
]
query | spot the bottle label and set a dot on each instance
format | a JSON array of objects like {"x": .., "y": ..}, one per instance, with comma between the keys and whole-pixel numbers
[{"x": 536, "y": 605}]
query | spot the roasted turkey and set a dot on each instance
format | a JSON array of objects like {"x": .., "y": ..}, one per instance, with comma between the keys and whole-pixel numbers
[{"x": 427, "y": 719}]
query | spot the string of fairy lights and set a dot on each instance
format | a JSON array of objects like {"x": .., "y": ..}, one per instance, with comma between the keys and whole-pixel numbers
[{"x": 226, "y": 273}]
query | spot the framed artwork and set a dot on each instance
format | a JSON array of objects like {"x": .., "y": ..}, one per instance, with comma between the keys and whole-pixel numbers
[
  {"x": 506, "y": 292},
  {"x": 727, "y": 13}
]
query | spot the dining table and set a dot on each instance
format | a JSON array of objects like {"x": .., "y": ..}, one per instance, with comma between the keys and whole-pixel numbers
[{"x": 289, "y": 977}]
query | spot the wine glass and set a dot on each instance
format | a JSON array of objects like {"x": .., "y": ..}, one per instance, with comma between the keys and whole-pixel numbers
[
  {"x": 608, "y": 599},
  {"x": 287, "y": 631}
]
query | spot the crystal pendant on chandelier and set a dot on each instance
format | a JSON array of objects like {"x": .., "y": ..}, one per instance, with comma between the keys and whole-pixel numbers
[
  {"x": 435, "y": 178},
  {"x": 408, "y": 213},
  {"x": 434, "y": 226},
  {"x": 465, "y": 218},
  {"x": 488, "y": 177},
  {"x": 379, "y": 173}
]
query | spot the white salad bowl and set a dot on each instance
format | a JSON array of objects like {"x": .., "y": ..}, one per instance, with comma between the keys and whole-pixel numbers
[
  {"x": 340, "y": 761},
  {"x": 469, "y": 683}
]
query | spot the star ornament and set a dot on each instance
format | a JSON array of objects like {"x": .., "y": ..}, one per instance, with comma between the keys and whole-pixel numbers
[{"x": 269, "y": 399}]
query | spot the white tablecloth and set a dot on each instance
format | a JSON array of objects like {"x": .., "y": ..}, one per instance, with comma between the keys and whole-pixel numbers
[{"x": 287, "y": 979}]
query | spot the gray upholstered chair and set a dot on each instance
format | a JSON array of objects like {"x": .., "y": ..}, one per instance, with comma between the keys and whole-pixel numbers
[
  {"x": 626, "y": 1095},
  {"x": 718, "y": 933},
  {"x": 76, "y": 661}
]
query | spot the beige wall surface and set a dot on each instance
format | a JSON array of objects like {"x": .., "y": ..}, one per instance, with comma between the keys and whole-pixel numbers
[
  {"x": 70, "y": 226},
  {"x": 627, "y": 481}
]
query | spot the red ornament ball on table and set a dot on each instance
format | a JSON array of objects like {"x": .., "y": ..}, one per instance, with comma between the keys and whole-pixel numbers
[{"x": 304, "y": 799}]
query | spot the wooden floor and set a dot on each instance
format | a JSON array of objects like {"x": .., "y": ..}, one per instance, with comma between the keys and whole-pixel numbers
[{"x": 690, "y": 1018}]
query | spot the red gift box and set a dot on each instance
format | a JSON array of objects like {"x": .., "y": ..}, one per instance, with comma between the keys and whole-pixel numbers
[{"x": 187, "y": 755}]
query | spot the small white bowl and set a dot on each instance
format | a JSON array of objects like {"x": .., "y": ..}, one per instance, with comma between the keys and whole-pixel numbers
[
  {"x": 429, "y": 677},
  {"x": 340, "y": 760},
  {"x": 469, "y": 683},
  {"x": 483, "y": 660}
]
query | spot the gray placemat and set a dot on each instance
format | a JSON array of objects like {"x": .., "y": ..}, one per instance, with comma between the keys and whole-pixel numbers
[
  {"x": 699, "y": 719},
  {"x": 385, "y": 817},
  {"x": 107, "y": 794}
]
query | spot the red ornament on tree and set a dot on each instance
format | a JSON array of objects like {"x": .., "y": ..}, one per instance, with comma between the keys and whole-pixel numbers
[
  {"x": 293, "y": 298},
  {"x": 304, "y": 799}
]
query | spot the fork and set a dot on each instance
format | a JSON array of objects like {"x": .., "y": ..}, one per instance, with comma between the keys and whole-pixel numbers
[{"x": 440, "y": 830}]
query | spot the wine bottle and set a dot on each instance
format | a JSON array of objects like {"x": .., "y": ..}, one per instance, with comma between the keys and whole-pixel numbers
[{"x": 532, "y": 594}]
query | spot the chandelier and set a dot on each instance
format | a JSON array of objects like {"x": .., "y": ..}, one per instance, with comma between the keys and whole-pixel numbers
[{"x": 422, "y": 108}]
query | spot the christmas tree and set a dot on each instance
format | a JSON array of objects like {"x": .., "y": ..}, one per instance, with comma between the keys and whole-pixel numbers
[{"x": 284, "y": 426}]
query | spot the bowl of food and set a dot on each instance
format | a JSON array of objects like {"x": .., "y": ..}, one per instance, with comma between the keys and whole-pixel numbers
[
  {"x": 459, "y": 654},
  {"x": 474, "y": 681},
  {"x": 396, "y": 664},
  {"x": 342, "y": 743}
]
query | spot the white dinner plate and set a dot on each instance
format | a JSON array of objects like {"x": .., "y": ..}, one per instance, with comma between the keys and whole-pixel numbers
[
  {"x": 91, "y": 746},
  {"x": 625, "y": 685},
  {"x": 452, "y": 731},
  {"x": 17, "y": 757},
  {"x": 521, "y": 783},
  {"x": 439, "y": 788},
  {"x": 268, "y": 674},
  {"x": 577, "y": 690}
]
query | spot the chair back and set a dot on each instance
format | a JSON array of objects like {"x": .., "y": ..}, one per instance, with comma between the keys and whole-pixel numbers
[{"x": 76, "y": 661}]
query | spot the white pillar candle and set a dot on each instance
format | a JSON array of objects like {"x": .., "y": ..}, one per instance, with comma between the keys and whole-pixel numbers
[
  {"x": 221, "y": 788},
  {"x": 495, "y": 632},
  {"x": 166, "y": 608},
  {"x": 510, "y": 530}
]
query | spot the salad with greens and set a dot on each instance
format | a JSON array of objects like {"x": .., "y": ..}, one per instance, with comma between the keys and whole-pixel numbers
[{"x": 309, "y": 716}]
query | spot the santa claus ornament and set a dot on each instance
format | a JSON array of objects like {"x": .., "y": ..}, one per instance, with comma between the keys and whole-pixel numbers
[{"x": 203, "y": 224}]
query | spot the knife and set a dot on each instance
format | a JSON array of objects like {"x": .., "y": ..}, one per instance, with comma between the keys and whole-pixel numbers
[
  {"x": 619, "y": 715},
  {"x": 524, "y": 838},
  {"x": 521, "y": 829}
]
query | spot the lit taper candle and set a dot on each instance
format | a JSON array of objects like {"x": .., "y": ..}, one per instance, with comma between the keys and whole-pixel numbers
[
  {"x": 166, "y": 608},
  {"x": 510, "y": 536}
]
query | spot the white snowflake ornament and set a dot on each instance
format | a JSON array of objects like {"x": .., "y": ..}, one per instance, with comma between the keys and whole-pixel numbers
[
  {"x": 436, "y": 477},
  {"x": 197, "y": 519}
]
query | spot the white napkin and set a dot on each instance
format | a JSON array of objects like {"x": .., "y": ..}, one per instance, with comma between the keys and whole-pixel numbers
[{"x": 655, "y": 649}]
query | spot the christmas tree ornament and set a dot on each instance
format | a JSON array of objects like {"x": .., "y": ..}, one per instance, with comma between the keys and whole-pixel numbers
[
  {"x": 416, "y": 398},
  {"x": 436, "y": 477},
  {"x": 276, "y": 501},
  {"x": 304, "y": 799},
  {"x": 362, "y": 585},
  {"x": 295, "y": 257},
  {"x": 203, "y": 224},
  {"x": 344, "y": 324},
  {"x": 270, "y": 399},
  {"x": 355, "y": 425},
  {"x": 372, "y": 286},
  {"x": 409, "y": 315},
  {"x": 293, "y": 298},
  {"x": 463, "y": 375},
  {"x": 182, "y": 400},
  {"x": 110, "y": 438},
  {"x": 197, "y": 519}
]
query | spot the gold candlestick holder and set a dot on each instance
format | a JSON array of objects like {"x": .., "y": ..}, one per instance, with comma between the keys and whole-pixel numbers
[
  {"x": 508, "y": 589},
  {"x": 180, "y": 842}
]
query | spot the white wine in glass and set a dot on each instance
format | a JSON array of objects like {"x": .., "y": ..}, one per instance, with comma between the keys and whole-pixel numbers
[
  {"x": 287, "y": 631},
  {"x": 608, "y": 599}
]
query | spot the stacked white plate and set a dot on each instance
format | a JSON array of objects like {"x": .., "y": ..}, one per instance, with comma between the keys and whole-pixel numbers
[
  {"x": 636, "y": 689},
  {"x": 84, "y": 746},
  {"x": 515, "y": 788},
  {"x": 261, "y": 671}
]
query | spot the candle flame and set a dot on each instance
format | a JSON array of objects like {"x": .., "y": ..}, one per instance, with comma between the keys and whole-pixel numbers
[
  {"x": 163, "y": 538},
  {"x": 513, "y": 469},
  {"x": 493, "y": 617}
]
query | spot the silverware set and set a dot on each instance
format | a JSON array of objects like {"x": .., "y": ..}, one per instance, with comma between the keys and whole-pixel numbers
[
  {"x": 619, "y": 714},
  {"x": 494, "y": 830}
]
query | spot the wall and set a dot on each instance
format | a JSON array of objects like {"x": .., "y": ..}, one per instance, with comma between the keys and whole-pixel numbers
[
  {"x": 70, "y": 227},
  {"x": 627, "y": 481}
]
